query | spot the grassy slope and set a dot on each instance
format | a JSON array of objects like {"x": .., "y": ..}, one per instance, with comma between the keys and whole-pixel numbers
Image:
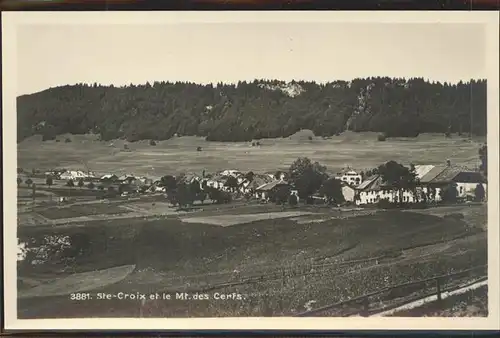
[
  {"x": 167, "y": 252},
  {"x": 359, "y": 150},
  {"x": 168, "y": 243}
]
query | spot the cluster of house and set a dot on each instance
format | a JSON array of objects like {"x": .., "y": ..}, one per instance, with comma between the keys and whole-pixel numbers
[
  {"x": 129, "y": 181},
  {"x": 257, "y": 184},
  {"x": 355, "y": 187},
  {"x": 432, "y": 179}
]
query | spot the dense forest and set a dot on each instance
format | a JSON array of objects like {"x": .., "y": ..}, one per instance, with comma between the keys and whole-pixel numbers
[{"x": 254, "y": 110}]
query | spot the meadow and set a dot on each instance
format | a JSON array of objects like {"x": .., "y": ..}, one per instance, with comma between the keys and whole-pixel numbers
[{"x": 177, "y": 155}]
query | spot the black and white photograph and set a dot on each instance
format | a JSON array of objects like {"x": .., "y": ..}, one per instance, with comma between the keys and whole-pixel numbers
[{"x": 280, "y": 169}]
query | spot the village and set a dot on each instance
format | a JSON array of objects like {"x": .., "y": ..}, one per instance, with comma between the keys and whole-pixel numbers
[
  {"x": 210, "y": 231},
  {"x": 431, "y": 184}
]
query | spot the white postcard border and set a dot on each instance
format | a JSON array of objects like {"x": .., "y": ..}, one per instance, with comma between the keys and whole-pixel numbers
[{"x": 10, "y": 20}]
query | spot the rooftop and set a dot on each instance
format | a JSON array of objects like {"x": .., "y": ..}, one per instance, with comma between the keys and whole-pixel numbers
[
  {"x": 432, "y": 174},
  {"x": 449, "y": 174},
  {"x": 271, "y": 185},
  {"x": 441, "y": 173},
  {"x": 422, "y": 170},
  {"x": 373, "y": 183}
]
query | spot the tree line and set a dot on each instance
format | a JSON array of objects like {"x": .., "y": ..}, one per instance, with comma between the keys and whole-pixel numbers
[{"x": 249, "y": 111}]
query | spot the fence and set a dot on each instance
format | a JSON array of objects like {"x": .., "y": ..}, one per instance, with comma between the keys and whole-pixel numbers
[{"x": 395, "y": 296}]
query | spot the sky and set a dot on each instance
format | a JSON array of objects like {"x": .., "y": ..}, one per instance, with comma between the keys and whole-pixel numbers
[{"x": 120, "y": 54}]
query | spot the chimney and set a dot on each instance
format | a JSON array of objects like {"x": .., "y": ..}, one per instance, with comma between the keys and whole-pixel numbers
[{"x": 448, "y": 163}]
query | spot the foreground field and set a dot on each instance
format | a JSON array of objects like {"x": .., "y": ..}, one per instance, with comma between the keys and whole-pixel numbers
[
  {"x": 473, "y": 303},
  {"x": 359, "y": 150},
  {"x": 278, "y": 265}
]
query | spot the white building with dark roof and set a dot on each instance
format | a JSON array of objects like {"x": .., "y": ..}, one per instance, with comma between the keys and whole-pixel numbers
[
  {"x": 350, "y": 177},
  {"x": 375, "y": 189},
  {"x": 465, "y": 180}
]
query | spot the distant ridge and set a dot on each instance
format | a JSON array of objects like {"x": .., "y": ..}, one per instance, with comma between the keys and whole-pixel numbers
[{"x": 249, "y": 111}]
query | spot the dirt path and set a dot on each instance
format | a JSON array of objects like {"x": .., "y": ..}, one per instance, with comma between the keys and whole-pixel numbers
[{"x": 78, "y": 282}]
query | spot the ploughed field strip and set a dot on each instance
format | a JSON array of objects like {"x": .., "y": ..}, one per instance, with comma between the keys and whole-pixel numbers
[
  {"x": 227, "y": 220},
  {"x": 89, "y": 211},
  {"x": 82, "y": 210},
  {"x": 280, "y": 264}
]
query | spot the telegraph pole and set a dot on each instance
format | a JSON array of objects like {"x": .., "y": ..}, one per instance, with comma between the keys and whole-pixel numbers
[{"x": 470, "y": 111}]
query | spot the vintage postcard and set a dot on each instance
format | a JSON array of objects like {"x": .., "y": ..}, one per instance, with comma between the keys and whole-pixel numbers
[{"x": 251, "y": 170}]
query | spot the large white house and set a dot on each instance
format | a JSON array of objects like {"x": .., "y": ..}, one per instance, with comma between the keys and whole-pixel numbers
[
  {"x": 350, "y": 177},
  {"x": 373, "y": 190}
]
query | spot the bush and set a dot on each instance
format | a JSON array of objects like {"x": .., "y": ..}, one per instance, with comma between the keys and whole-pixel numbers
[
  {"x": 152, "y": 142},
  {"x": 68, "y": 140},
  {"x": 479, "y": 193},
  {"x": 449, "y": 194},
  {"x": 198, "y": 149},
  {"x": 381, "y": 137},
  {"x": 310, "y": 138},
  {"x": 293, "y": 200}
]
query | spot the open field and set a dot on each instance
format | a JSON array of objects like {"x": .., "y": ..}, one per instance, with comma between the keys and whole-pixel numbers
[
  {"x": 279, "y": 265},
  {"x": 28, "y": 193},
  {"x": 473, "y": 215},
  {"x": 359, "y": 150}
]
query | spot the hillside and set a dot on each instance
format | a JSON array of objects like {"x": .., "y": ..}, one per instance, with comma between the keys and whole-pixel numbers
[{"x": 255, "y": 110}]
